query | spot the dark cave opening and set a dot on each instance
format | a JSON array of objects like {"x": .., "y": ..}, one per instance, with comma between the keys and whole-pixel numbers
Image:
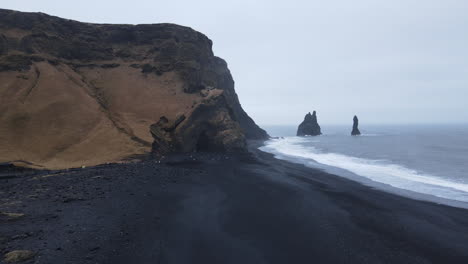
[{"x": 205, "y": 143}]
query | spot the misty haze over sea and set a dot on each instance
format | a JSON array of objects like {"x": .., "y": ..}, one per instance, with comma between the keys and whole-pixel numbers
[{"x": 425, "y": 159}]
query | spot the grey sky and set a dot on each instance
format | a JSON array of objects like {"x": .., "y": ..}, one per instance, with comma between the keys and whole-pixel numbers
[{"x": 399, "y": 61}]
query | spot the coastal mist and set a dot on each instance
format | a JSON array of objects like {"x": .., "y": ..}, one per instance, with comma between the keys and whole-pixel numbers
[{"x": 421, "y": 161}]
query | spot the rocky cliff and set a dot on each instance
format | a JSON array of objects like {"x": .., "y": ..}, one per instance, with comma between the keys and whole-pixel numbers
[
  {"x": 355, "y": 131},
  {"x": 310, "y": 126},
  {"x": 74, "y": 94}
]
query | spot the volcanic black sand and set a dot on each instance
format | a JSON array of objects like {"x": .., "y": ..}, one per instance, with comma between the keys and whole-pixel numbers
[{"x": 214, "y": 208}]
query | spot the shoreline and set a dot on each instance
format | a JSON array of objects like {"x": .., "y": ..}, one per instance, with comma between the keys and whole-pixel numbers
[
  {"x": 365, "y": 180},
  {"x": 222, "y": 208}
]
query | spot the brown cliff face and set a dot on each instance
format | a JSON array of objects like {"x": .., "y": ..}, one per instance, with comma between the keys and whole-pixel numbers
[{"x": 74, "y": 94}]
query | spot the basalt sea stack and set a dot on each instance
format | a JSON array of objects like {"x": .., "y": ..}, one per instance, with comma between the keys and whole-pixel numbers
[
  {"x": 310, "y": 126},
  {"x": 355, "y": 131},
  {"x": 74, "y": 94}
]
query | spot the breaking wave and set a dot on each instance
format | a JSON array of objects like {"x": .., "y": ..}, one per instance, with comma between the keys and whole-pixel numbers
[{"x": 378, "y": 171}]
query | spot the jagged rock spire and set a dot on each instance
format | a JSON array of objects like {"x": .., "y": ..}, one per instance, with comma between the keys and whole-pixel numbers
[
  {"x": 310, "y": 126},
  {"x": 355, "y": 131}
]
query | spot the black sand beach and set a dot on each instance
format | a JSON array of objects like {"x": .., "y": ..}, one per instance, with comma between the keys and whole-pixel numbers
[{"x": 214, "y": 208}]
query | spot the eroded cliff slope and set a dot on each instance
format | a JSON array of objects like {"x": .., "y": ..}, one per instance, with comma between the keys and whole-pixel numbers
[{"x": 74, "y": 94}]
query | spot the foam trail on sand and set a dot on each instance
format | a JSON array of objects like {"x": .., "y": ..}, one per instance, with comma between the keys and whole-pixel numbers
[{"x": 375, "y": 170}]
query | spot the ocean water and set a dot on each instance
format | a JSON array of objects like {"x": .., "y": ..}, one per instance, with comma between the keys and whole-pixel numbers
[{"x": 422, "y": 161}]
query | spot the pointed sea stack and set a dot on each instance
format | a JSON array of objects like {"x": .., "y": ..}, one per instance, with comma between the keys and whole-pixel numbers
[
  {"x": 309, "y": 127},
  {"x": 355, "y": 131}
]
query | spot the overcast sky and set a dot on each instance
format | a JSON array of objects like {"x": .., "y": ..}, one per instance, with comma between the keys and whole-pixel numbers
[{"x": 398, "y": 61}]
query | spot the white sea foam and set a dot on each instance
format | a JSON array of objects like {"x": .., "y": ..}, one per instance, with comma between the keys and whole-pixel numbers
[
  {"x": 375, "y": 170},
  {"x": 369, "y": 135}
]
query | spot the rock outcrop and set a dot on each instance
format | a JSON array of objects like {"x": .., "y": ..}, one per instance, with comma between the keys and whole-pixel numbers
[
  {"x": 310, "y": 126},
  {"x": 16, "y": 256},
  {"x": 208, "y": 127},
  {"x": 74, "y": 94},
  {"x": 355, "y": 131}
]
